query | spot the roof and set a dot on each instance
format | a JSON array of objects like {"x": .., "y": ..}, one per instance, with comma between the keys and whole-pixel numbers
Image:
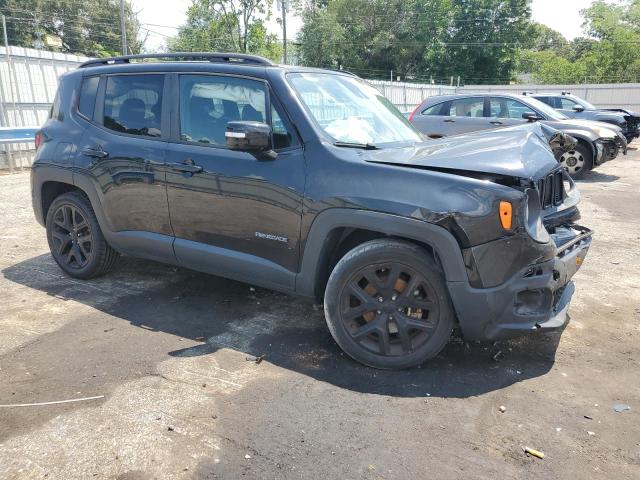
[{"x": 192, "y": 61}]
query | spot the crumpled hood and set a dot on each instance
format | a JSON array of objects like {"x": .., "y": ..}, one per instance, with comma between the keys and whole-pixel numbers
[{"x": 520, "y": 151}]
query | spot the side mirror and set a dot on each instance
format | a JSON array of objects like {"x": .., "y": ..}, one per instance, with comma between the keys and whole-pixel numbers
[
  {"x": 532, "y": 116},
  {"x": 578, "y": 108},
  {"x": 250, "y": 137}
]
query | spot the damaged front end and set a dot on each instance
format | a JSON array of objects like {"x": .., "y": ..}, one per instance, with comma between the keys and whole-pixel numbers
[{"x": 525, "y": 278}]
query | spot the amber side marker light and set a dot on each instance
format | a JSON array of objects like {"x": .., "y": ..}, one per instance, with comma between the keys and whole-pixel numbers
[{"x": 506, "y": 215}]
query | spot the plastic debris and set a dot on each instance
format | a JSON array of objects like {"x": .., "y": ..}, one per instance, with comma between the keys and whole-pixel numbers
[
  {"x": 199, "y": 339},
  {"x": 252, "y": 358},
  {"x": 588, "y": 417},
  {"x": 621, "y": 407},
  {"x": 589, "y": 432},
  {"x": 55, "y": 402},
  {"x": 533, "y": 452},
  {"x": 558, "y": 429},
  {"x": 502, "y": 408},
  {"x": 247, "y": 456}
]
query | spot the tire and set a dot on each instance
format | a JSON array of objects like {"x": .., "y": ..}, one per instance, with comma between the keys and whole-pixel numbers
[
  {"x": 75, "y": 239},
  {"x": 387, "y": 305},
  {"x": 577, "y": 162}
]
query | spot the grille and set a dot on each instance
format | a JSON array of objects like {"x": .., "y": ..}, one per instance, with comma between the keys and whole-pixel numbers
[{"x": 551, "y": 189}]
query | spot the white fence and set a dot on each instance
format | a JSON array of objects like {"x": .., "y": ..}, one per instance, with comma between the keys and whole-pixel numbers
[
  {"x": 407, "y": 96},
  {"x": 27, "y": 90},
  {"x": 606, "y": 95}
]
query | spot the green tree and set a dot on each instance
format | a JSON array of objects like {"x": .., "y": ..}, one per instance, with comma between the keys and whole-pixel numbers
[
  {"x": 227, "y": 25},
  {"x": 89, "y": 27},
  {"x": 418, "y": 39}
]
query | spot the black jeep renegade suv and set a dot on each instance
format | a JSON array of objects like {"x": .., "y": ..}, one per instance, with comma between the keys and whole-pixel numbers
[{"x": 311, "y": 182}]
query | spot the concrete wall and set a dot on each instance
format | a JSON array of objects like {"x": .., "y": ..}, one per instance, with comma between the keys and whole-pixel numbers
[{"x": 606, "y": 95}]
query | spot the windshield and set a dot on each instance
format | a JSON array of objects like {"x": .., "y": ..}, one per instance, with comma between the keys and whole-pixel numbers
[
  {"x": 549, "y": 112},
  {"x": 350, "y": 110}
]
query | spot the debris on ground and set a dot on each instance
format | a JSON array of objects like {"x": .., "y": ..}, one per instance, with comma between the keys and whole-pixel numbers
[
  {"x": 252, "y": 358},
  {"x": 588, "y": 417},
  {"x": 170, "y": 429},
  {"x": 531, "y": 451},
  {"x": 55, "y": 402},
  {"x": 502, "y": 408},
  {"x": 498, "y": 356},
  {"x": 247, "y": 456},
  {"x": 589, "y": 432},
  {"x": 621, "y": 407},
  {"x": 199, "y": 339}
]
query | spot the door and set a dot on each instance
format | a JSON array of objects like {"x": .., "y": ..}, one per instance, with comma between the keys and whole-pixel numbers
[
  {"x": 124, "y": 153},
  {"x": 233, "y": 213},
  {"x": 463, "y": 115},
  {"x": 506, "y": 112}
]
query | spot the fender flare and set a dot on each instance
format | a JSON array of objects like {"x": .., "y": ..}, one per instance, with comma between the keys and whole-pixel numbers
[
  {"x": 41, "y": 174},
  {"x": 316, "y": 245}
]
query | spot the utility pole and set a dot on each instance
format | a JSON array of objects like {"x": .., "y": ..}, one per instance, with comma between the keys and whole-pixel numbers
[
  {"x": 284, "y": 29},
  {"x": 123, "y": 30},
  {"x": 284, "y": 6}
]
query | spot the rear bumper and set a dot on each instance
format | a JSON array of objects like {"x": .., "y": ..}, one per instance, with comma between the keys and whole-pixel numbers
[{"x": 536, "y": 298}]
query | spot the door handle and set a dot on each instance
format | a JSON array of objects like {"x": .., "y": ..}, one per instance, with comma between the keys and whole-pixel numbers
[
  {"x": 495, "y": 122},
  {"x": 95, "y": 152},
  {"x": 187, "y": 166},
  {"x": 448, "y": 120}
]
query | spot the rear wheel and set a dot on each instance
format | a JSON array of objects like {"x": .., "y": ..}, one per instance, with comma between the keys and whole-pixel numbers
[
  {"x": 75, "y": 239},
  {"x": 577, "y": 162},
  {"x": 387, "y": 305}
]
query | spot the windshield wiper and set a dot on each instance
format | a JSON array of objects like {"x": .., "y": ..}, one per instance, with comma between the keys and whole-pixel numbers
[{"x": 365, "y": 146}]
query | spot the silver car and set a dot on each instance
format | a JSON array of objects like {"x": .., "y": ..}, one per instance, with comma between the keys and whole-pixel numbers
[{"x": 446, "y": 115}]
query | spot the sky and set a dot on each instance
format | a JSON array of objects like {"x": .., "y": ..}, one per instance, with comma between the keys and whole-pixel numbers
[{"x": 160, "y": 22}]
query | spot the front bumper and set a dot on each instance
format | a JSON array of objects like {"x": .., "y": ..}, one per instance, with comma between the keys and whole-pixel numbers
[
  {"x": 536, "y": 298},
  {"x": 608, "y": 148}
]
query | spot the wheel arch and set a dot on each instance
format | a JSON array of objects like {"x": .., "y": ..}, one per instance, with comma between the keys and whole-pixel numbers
[{"x": 336, "y": 231}]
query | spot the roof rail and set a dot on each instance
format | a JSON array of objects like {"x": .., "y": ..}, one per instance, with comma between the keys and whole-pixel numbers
[
  {"x": 527, "y": 93},
  {"x": 566, "y": 93},
  {"x": 187, "y": 56}
]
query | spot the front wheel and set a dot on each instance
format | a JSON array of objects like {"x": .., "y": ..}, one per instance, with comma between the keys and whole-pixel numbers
[
  {"x": 387, "y": 305},
  {"x": 577, "y": 162}
]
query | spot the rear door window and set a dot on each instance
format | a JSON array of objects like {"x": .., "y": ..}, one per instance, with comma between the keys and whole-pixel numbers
[
  {"x": 467, "y": 107},
  {"x": 133, "y": 104}
]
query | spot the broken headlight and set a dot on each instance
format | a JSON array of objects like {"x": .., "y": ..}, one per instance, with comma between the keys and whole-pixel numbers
[{"x": 533, "y": 217}]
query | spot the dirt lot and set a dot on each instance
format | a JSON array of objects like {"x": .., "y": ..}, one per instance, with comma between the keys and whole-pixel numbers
[{"x": 171, "y": 351}]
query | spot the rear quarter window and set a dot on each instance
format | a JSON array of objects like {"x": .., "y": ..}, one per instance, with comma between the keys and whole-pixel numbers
[
  {"x": 433, "y": 109},
  {"x": 87, "y": 100}
]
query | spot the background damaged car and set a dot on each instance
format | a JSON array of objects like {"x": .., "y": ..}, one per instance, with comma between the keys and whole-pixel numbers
[
  {"x": 576, "y": 107},
  {"x": 446, "y": 115}
]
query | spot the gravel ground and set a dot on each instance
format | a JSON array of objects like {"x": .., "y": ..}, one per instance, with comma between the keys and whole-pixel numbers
[{"x": 173, "y": 353}]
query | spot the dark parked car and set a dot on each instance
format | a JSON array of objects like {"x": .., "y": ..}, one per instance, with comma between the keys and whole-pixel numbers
[
  {"x": 576, "y": 107},
  {"x": 446, "y": 115},
  {"x": 310, "y": 182}
]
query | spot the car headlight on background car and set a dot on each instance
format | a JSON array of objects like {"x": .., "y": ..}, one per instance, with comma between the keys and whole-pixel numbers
[{"x": 604, "y": 132}]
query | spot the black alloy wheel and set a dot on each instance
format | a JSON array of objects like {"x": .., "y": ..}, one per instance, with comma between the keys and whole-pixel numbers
[
  {"x": 75, "y": 238},
  {"x": 72, "y": 238},
  {"x": 387, "y": 304}
]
